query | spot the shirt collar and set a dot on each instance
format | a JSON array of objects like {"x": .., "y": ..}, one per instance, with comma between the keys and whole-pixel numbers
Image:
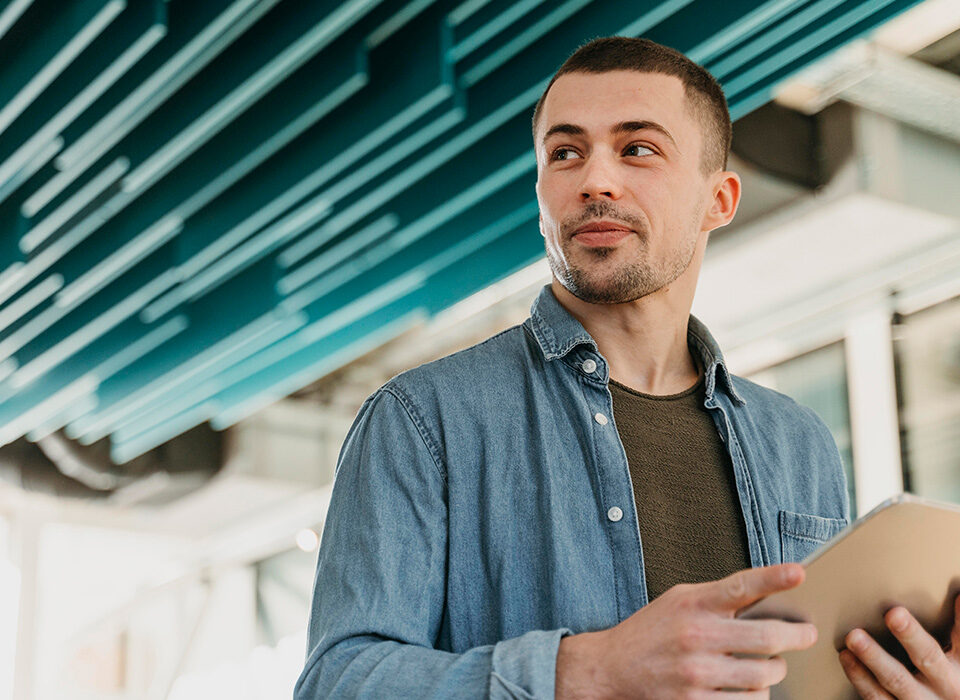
[{"x": 557, "y": 332}]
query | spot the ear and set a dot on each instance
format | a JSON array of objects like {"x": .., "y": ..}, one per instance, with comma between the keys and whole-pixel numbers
[
  {"x": 540, "y": 224},
  {"x": 726, "y": 199}
]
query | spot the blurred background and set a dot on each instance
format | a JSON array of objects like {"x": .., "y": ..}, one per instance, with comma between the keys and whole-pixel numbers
[{"x": 224, "y": 223}]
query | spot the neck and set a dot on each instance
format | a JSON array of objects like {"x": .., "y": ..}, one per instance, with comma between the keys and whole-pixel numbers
[{"x": 644, "y": 341}]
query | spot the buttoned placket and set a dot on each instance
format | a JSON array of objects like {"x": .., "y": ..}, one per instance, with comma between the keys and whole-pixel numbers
[{"x": 617, "y": 496}]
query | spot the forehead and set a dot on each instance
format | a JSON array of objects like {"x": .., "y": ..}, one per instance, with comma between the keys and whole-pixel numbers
[{"x": 596, "y": 101}]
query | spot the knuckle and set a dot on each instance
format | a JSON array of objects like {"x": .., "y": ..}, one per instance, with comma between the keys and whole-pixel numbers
[
  {"x": 683, "y": 595},
  {"x": 690, "y": 636},
  {"x": 736, "y": 586},
  {"x": 690, "y": 671},
  {"x": 929, "y": 659},
  {"x": 896, "y": 683},
  {"x": 760, "y": 675},
  {"x": 766, "y": 639}
]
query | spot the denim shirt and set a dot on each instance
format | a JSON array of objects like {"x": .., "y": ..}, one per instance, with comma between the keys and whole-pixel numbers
[{"x": 482, "y": 509}]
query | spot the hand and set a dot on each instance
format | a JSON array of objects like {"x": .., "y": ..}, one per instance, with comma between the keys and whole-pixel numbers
[
  {"x": 681, "y": 644},
  {"x": 876, "y": 674}
]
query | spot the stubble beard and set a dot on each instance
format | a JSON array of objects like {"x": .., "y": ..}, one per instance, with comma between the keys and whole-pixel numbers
[{"x": 594, "y": 282}]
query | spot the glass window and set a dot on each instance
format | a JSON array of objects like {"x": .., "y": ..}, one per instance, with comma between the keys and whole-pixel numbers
[
  {"x": 818, "y": 380},
  {"x": 284, "y": 592},
  {"x": 928, "y": 362}
]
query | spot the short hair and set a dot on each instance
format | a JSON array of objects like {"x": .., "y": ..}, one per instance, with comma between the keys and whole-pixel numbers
[{"x": 703, "y": 93}]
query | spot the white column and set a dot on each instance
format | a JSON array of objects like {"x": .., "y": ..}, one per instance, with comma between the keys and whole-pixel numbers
[
  {"x": 25, "y": 541},
  {"x": 873, "y": 408}
]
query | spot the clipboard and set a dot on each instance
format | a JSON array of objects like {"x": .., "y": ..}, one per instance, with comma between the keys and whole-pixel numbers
[{"x": 906, "y": 551}]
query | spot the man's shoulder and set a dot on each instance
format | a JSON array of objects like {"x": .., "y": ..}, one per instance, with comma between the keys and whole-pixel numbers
[
  {"x": 491, "y": 360},
  {"x": 775, "y": 408}
]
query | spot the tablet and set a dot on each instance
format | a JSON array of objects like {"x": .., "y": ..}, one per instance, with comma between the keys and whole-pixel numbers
[{"x": 906, "y": 551}]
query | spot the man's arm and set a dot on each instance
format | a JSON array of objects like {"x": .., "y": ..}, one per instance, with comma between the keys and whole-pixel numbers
[{"x": 380, "y": 586}]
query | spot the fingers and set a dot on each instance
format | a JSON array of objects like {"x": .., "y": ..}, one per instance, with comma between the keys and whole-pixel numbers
[
  {"x": 863, "y": 681},
  {"x": 752, "y": 674},
  {"x": 750, "y": 585},
  {"x": 925, "y": 652},
  {"x": 723, "y": 671},
  {"x": 892, "y": 675},
  {"x": 955, "y": 631},
  {"x": 768, "y": 637}
]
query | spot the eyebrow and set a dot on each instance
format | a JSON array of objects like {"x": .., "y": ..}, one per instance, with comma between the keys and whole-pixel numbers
[{"x": 620, "y": 128}]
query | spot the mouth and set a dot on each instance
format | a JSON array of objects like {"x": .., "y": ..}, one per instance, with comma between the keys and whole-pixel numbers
[{"x": 602, "y": 233}]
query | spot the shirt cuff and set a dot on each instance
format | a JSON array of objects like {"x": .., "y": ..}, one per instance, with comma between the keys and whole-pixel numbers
[{"x": 526, "y": 666}]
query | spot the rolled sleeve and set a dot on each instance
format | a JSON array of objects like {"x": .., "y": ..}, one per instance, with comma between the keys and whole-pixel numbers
[{"x": 379, "y": 590}]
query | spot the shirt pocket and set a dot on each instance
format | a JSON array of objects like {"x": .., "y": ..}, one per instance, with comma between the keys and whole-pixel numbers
[{"x": 801, "y": 534}]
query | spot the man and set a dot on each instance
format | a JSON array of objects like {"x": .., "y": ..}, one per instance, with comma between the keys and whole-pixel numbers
[{"x": 573, "y": 507}]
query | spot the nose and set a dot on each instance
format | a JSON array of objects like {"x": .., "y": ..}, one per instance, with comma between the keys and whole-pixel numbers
[{"x": 600, "y": 179}]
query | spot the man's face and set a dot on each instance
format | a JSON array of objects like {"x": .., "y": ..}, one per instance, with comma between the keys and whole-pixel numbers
[{"x": 621, "y": 202}]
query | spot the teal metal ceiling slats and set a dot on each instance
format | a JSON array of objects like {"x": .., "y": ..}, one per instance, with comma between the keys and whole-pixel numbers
[
  {"x": 248, "y": 195},
  {"x": 206, "y": 158},
  {"x": 455, "y": 247},
  {"x": 107, "y": 356},
  {"x": 190, "y": 387},
  {"x": 778, "y": 8},
  {"x": 198, "y": 50},
  {"x": 10, "y": 12},
  {"x": 789, "y": 40},
  {"x": 101, "y": 187},
  {"x": 530, "y": 160},
  {"x": 113, "y": 52},
  {"x": 338, "y": 171},
  {"x": 312, "y": 296},
  {"x": 95, "y": 313},
  {"x": 831, "y": 33},
  {"x": 209, "y": 325},
  {"x": 799, "y": 17},
  {"x": 424, "y": 257},
  {"x": 198, "y": 111},
  {"x": 401, "y": 165},
  {"x": 276, "y": 234},
  {"x": 754, "y": 20},
  {"x": 368, "y": 120},
  {"x": 13, "y": 313},
  {"x": 333, "y": 255},
  {"x": 152, "y": 408},
  {"x": 505, "y": 253},
  {"x": 487, "y": 23},
  {"x": 107, "y": 244},
  {"x": 90, "y": 341},
  {"x": 514, "y": 38},
  {"x": 205, "y": 165},
  {"x": 49, "y": 39},
  {"x": 47, "y": 313},
  {"x": 197, "y": 33},
  {"x": 239, "y": 78},
  {"x": 464, "y": 10}
]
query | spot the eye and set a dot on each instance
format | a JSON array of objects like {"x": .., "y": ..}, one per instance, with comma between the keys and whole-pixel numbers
[
  {"x": 563, "y": 154},
  {"x": 632, "y": 149}
]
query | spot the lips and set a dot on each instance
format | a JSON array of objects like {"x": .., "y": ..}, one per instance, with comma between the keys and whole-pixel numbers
[{"x": 602, "y": 234}]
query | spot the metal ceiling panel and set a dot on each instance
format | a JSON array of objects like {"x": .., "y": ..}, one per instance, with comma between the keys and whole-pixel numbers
[{"x": 207, "y": 206}]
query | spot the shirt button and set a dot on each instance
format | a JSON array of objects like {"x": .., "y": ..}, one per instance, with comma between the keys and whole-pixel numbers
[
  {"x": 614, "y": 514},
  {"x": 589, "y": 366},
  {"x": 600, "y": 418}
]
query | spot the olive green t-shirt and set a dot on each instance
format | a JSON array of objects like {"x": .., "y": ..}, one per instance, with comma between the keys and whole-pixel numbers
[{"x": 691, "y": 525}]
